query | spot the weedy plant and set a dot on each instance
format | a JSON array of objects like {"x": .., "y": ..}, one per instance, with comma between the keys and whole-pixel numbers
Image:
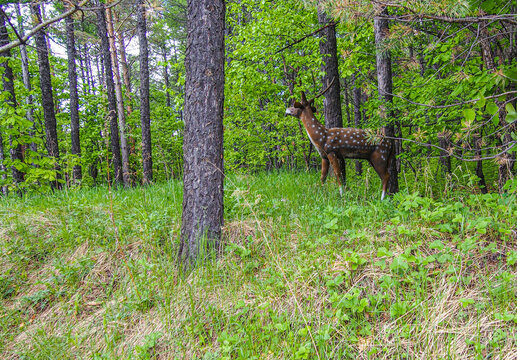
[{"x": 304, "y": 274}]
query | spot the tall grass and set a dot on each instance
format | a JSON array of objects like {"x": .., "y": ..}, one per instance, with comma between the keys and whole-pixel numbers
[{"x": 429, "y": 273}]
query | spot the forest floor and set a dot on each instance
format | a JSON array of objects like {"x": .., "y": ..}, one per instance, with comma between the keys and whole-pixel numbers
[{"x": 304, "y": 274}]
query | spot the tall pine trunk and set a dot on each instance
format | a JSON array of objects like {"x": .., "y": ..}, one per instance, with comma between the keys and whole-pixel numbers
[
  {"x": 145, "y": 115},
  {"x": 332, "y": 100},
  {"x": 124, "y": 149},
  {"x": 74, "y": 97},
  {"x": 202, "y": 217},
  {"x": 385, "y": 86},
  {"x": 47, "y": 98},
  {"x": 110, "y": 87}
]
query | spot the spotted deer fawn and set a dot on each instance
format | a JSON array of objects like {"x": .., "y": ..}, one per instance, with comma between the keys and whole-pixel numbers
[{"x": 340, "y": 143}]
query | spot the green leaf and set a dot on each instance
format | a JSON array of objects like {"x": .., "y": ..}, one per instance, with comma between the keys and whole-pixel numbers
[
  {"x": 437, "y": 244},
  {"x": 469, "y": 114},
  {"x": 481, "y": 102},
  {"x": 492, "y": 108},
  {"x": 510, "y": 109}
]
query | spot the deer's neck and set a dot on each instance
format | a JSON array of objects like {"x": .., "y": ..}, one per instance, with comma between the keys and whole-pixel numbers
[{"x": 315, "y": 130}]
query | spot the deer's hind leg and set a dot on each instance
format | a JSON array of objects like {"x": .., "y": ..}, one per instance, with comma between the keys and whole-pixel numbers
[{"x": 381, "y": 167}]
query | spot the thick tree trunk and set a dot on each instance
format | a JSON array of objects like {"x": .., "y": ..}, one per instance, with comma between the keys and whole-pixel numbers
[
  {"x": 385, "y": 86},
  {"x": 203, "y": 137},
  {"x": 110, "y": 86},
  {"x": 328, "y": 50},
  {"x": 47, "y": 98},
  {"x": 145, "y": 115},
  {"x": 124, "y": 148},
  {"x": 332, "y": 100},
  {"x": 74, "y": 97},
  {"x": 357, "y": 117},
  {"x": 8, "y": 80}
]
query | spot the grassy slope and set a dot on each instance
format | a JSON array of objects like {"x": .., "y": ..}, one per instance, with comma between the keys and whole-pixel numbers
[{"x": 305, "y": 274}]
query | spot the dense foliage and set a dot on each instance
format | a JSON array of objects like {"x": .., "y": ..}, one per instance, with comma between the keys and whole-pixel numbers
[{"x": 454, "y": 75}]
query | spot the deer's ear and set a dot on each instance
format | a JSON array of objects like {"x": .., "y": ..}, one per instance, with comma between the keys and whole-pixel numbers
[
  {"x": 314, "y": 110},
  {"x": 297, "y": 105}
]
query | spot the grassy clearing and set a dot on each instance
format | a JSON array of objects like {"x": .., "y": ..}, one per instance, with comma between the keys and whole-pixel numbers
[{"x": 305, "y": 274}]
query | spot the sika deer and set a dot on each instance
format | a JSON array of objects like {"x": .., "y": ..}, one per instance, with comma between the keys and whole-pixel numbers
[{"x": 336, "y": 143}]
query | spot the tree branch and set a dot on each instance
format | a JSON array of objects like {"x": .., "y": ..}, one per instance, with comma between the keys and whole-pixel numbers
[
  {"x": 41, "y": 26},
  {"x": 332, "y": 23}
]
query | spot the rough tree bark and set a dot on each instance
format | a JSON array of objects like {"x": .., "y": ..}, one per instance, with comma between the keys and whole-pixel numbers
[
  {"x": 145, "y": 116},
  {"x": 74, "y": 97},
  {"x": 385, "y": 86},
  {"x": 47, "y": 98},
  {"x": 121, "y": 115},
  {"x": 202, "y": 217},
  {"x": 8, "y": 80},
  {"x": 110, "y": 86},
  {"x": 332, "y": 100}
]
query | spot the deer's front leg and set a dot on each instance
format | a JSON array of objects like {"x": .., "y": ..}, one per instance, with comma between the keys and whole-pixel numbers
[
  {"x": 324, "y": 170},
  {"x": 334, "y": 161}
]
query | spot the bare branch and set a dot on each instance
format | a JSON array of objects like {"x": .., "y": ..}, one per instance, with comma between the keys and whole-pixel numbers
[{"x": 332, "y": 23}]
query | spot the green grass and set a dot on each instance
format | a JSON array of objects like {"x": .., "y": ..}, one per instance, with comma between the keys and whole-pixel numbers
[{"x": 305, "y": 274}]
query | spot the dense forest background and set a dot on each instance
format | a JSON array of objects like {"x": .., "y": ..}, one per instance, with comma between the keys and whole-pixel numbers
[{"x": 453, "y": 72}]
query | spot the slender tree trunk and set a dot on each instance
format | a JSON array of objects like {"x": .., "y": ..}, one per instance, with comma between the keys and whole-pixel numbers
[
  {"x": 26, "y": 80},
  {"x": 8, "y": 80},
  {"x": 357, "y": 117},
  {"x": 47, "y": 98},
  {"x": 124, "y": 149},
  {"x": 74, "y": 97},
  {"x": 505, "y": 160},
  {"x": 202, "y": 217},
  {"x": 123, "y": 64},
  {"x": 385, "y": 86},
  {"x": 89, "y": 76},
  {"x": 166, "y": 77},
  {"x": 479, "y": 164},
  {"x": 145, "y": 115},
  {"x": 127, "y": 83},
  {"x": 110, "y": 86}
]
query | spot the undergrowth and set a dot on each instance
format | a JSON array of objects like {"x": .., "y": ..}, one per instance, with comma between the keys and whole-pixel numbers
[{"x": 429, "y": 273}]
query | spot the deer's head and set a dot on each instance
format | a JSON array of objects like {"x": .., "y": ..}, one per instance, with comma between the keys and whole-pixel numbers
[
  {"x": 299, "y": 107},
  {"x": 306, "y": 105}
]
